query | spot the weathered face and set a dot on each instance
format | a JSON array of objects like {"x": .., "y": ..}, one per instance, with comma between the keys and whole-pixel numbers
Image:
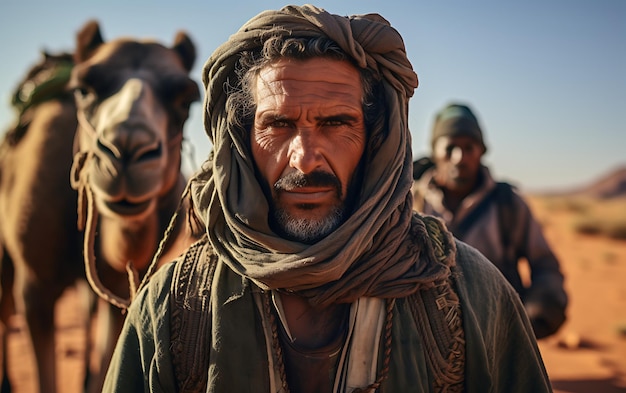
[
  {"x": 133, "y": 98},
  {"x": 307, "y": 140},
  {"x": 458, "y": 162}
]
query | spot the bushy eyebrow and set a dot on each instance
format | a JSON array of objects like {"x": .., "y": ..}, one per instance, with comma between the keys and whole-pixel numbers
[
  {"x": 268, "y": 117},
  {"x": 343, "y": 117},
  {"x": 346, "y": 118}
]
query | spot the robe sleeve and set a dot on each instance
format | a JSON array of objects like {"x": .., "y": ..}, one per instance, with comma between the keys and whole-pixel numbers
[{"x": 141, "y": 361}]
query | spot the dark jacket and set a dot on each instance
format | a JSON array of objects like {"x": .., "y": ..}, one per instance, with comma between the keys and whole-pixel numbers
[{"x": 506, "y": 241}]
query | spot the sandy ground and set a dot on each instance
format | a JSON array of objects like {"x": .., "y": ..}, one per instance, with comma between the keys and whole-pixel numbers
[
  {"x": 71, "y": 339},
  {"x": 588, "y": 355}
]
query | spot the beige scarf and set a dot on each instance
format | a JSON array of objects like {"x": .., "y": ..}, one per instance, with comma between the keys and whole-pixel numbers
[{"x": 374, "y": 252}]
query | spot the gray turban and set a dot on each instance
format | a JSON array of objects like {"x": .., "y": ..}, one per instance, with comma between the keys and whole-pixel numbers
[{"x": 370, "y": 254}]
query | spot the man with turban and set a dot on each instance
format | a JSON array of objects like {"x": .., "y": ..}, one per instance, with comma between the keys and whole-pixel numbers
[{"x": 314, "y": 273}]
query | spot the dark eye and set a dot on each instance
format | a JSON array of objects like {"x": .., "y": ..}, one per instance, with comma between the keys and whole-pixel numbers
[
  {"x": 81, "y": 92},
  {"x": 278, "y": 123},
  {"x": 84, "y": 95},
  {"x": 178, "y": 89},
  {"x": 334, "y": 123},
  {"x": 475, "y": 147},
  {"x": 339, "y": 121}
]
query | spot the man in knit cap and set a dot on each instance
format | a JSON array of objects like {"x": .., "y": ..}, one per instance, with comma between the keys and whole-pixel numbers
[
  {"x": 314, "y": 274},
  {"x": 489, "y": 215}
]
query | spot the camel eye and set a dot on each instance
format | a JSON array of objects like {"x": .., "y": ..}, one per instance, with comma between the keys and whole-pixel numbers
[
  {"x": 83, "y": 94},
  {"x": 80, "y": 92}
]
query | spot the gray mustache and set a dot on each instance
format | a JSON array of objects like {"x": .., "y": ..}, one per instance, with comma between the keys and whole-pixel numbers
[{"x": 313, "y": 179}]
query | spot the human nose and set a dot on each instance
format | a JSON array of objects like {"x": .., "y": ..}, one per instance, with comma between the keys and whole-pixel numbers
[{"x": 304, "y": 152}]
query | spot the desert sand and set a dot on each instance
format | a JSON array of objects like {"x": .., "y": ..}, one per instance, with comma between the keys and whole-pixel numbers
[{"x": 588, "y": 355}]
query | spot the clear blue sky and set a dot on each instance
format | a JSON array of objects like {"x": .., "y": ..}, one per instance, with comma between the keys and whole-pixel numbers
[{"x": 547, "y": 78}]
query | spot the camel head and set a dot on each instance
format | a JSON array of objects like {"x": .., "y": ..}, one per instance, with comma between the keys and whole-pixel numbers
[{"x": 133, "y": 98}]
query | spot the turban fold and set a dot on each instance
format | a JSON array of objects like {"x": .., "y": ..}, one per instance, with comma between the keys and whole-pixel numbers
[{"x": 371, "y": 253}]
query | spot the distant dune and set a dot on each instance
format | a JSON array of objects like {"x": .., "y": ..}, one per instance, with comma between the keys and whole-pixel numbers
[
  {"x": 608, "y": 186},
  {"x": 612, "y": 185}
]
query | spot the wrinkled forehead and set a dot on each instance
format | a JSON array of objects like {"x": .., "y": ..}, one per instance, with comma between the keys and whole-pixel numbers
[{"x": 336, "y": 79}]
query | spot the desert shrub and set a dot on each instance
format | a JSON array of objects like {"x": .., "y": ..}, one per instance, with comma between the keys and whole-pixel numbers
[
  {"x": 617, "y": 231},
  {"x": 603, "y": 217},
  {"x": 587, "y": 226},
  {"x": 571, "y": 204}
]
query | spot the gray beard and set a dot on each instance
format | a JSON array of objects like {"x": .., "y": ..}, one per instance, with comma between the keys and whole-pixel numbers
[{"x": 306, "y": 230}]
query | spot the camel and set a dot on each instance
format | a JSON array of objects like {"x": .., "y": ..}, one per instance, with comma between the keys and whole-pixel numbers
[{"x": 89, "y": 186}]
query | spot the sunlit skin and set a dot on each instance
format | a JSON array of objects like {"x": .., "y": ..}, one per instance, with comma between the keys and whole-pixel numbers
[
  {"x": 308, "y": 121},
  {"x": 457, "y": 160},
  {"x": 309, "y": 128}
]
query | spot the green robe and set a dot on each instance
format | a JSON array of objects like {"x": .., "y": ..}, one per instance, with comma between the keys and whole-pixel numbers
[{"x": 501, "y": 351}]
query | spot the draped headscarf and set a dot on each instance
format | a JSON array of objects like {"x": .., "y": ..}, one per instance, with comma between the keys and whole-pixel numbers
[{"x": 376, "y": 251}]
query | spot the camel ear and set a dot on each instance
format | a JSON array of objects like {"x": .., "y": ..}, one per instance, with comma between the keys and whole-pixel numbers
[
  {"x": 87, "y": 40},
  {"x": 186, "y": 49}
]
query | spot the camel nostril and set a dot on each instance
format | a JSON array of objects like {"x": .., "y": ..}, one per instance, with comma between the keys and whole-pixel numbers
[
  {"x": 108, "y": 150},
  {"x": 150, "y": 153},
  {"x": 143, "y": 153}
]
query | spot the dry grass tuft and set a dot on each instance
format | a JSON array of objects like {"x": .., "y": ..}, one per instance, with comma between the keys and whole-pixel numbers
[{"x": 593, "y": 216}]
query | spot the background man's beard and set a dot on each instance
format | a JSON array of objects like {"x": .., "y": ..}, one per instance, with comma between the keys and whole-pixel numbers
[{"x": 307, "y": 230}]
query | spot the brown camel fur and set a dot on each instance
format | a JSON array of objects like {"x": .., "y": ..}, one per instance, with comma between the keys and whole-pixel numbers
[{"x": 118, "y": 142}]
